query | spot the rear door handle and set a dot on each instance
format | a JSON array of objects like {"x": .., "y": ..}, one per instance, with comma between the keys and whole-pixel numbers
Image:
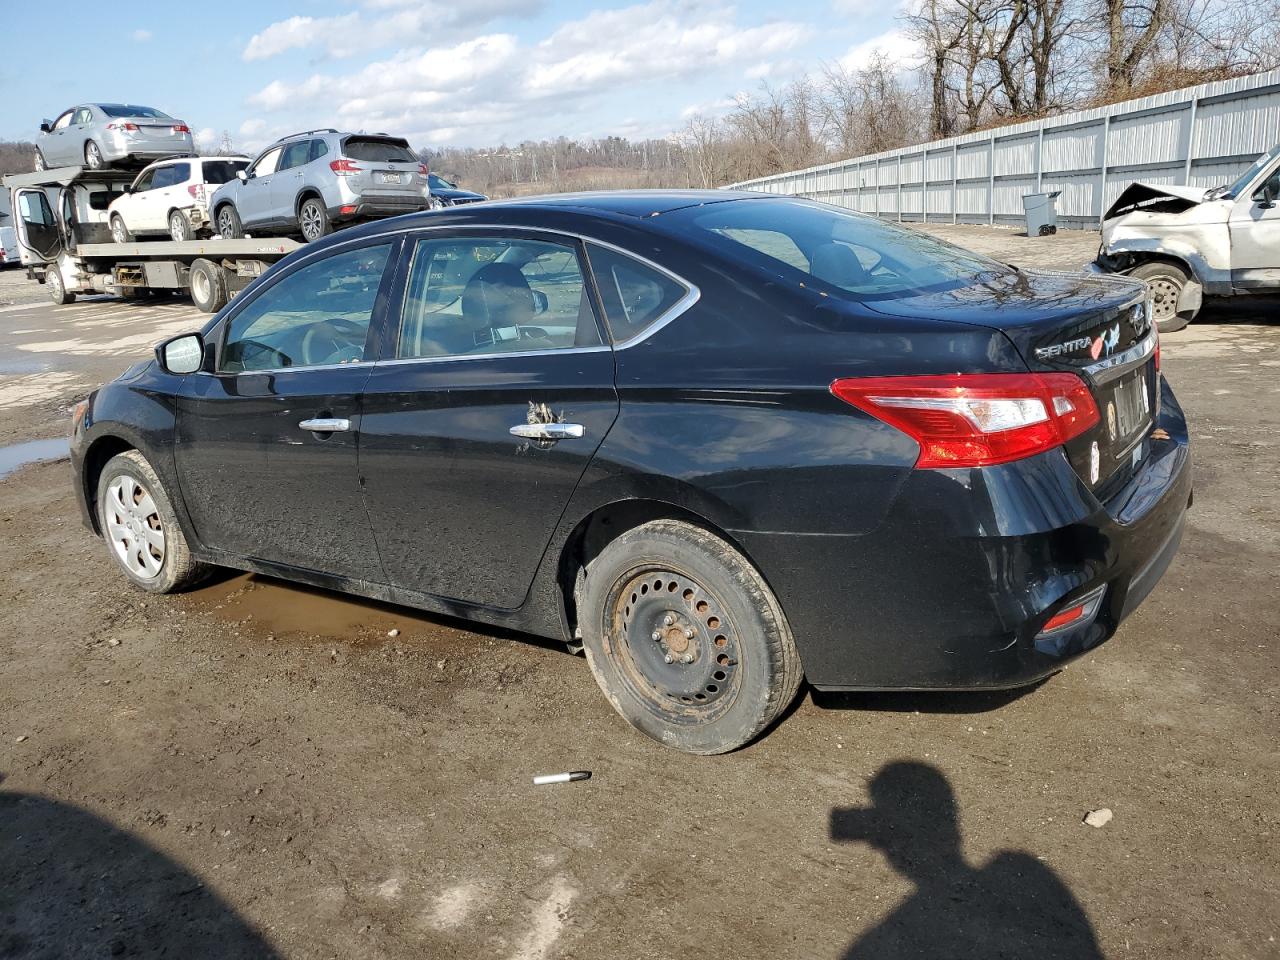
[
  {"x": 325, "y": 425},
  {"x": 548, "y": 431}
]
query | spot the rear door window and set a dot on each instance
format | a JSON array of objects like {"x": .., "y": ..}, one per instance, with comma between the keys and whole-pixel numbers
[
  {"x": 473, "y": 296},
  {"x": 635, "y": 295},
  {"x": 295, "y": 154},
  {"x": 164, "y": 177}
]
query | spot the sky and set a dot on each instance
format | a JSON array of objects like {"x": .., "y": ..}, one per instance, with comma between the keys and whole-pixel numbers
[{"x": 438, "y": 72}]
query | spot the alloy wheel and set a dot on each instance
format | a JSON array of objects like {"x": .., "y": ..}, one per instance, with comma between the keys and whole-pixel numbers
[
  {"x": 118, "y": 233},
  {"x": 676, "y": 646},
  {"x": 311, "y": 221},
  {"x": 226, "y": 224},
  {"x": 93, "y": 156},
  {"x": 133, "y": 527}
]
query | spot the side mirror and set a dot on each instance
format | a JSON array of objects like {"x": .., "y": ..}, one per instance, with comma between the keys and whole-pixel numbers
[
  {"x": 1268, "y": 194},
  {"x": 540, "y": 302},
  {"x": 181, "y": 355},
  {"x": 46, "y": 126},
  {"x": 242, "y": 176},
  {"x": 127, "y": 188}
]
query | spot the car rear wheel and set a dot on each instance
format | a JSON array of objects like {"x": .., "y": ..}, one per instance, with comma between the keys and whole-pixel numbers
[
  {"x": 208, "y": 286},
  {"x": 93, "y": 156},
  {"x": 686, "y": 639},
  {"x": 1167, "y": 281},
  {"x": 229, "y": 225},
  {"x": 119, "y": 232},
  {"x": 141, "y": 529},
  {"x": 58, "y": 291},
  {"x": 313, "y": 219},
  {"x": 39, "y": 161},
  {"x": 180, "y": 226}
]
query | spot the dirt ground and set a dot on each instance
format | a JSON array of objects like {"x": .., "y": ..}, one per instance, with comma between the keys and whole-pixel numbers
[{"x": 258, "y": 770}]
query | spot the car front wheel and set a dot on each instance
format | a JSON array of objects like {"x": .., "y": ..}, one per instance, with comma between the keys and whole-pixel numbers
[
  {"x": 140, "y": 528},
  {"x": 686, "y": 639},
  {"x": 229, "y": 226},
  {"x": 1167, "y": 281}
]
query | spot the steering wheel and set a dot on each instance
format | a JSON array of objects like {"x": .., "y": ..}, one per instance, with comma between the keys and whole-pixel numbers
[{"x": 335, "y": 340}]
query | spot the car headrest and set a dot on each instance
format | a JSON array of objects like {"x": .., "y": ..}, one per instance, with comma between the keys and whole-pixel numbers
[
  {"x": 838, "y": 265},
  {"x": 497, "y": 295}
]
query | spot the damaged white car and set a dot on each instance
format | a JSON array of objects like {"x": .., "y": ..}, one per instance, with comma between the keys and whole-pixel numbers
[{"x": 1190, "y": 242}]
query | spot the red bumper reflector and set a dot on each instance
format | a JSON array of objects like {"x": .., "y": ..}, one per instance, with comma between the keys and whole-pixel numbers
[
  {"x": 1067, "y": 616},
  {"x": 347, "y": 209}
]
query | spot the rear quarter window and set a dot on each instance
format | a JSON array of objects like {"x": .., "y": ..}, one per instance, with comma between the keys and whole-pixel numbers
[
  {"x": 220, "y": 171},
  {"x": 636, "y": 296}
]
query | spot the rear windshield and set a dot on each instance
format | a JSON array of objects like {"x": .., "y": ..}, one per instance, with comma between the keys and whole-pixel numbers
[
  {"x": 377, "y": 150},
  {"x": 133, "y": 110},
  {"x": 844, "y": 251},
  {"x": 220, "y": 171}
]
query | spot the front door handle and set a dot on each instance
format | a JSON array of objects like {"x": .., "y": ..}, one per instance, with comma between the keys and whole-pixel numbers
[
  {"x": 325, "y": 425},
  {"x": 548, "y": 431}
]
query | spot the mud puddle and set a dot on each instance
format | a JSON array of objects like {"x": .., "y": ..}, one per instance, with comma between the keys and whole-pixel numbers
[
  {"x": 282, "y": 610},
  {"x": 34, "y": 451}
]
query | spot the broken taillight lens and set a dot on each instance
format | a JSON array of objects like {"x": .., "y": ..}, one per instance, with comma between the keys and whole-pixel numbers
[{"x": 976, "y": 420}]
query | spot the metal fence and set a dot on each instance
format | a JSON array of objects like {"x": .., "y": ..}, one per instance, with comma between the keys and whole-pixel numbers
[{"x": 1201, "y": 136}]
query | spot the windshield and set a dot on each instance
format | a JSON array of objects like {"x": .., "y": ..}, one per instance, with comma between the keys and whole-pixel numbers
[
  {"x": 1235, "y": 189},
  {"x": 377, "y": 150},
  {"x": 849, "y": 252},
  {"x": 132, "y": 110},
  {"x": 220, "y": 171},
  {"x": 438, "y": 182}
]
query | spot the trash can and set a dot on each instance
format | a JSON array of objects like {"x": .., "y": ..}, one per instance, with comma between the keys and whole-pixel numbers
[{"x": 1042, "y": 213}]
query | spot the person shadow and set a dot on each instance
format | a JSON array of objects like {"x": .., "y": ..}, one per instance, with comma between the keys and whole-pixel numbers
[
  {"x": 1011, "y": 907},
  {"x": 72, "y": 886}
]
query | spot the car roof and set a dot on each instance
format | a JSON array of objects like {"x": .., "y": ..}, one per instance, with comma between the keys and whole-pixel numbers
[{"x": 629, "y": 203}]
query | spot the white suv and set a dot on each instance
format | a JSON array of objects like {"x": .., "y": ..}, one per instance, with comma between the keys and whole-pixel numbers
[{"x": 171, "y": 198}]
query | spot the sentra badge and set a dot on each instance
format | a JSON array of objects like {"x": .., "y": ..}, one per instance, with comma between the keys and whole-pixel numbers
[{"x": 1058, "y": 349}]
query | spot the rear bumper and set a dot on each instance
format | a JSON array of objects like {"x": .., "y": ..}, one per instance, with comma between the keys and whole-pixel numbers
[
  {"x": 372, "y": 208},
  {"x": 951, "y": 591}
]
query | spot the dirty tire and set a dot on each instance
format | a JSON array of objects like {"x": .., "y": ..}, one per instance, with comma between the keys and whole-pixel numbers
[
  {"x": 743, "y": 669},
  {"x": 1166, "y": 281},
  {"x": 177, "y": 569},
  {"x": 119, "y": 232},
  {"x": 313, "y": 220},
  {"x": 58, "y": 292},
  {"x": 208, "y": 286},
  {"x": 228, "y": 223}
]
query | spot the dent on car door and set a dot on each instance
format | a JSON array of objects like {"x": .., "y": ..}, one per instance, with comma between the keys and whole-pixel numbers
[
  {"x": 266, "y": 445},
  {"x": 495, "y": 389}
]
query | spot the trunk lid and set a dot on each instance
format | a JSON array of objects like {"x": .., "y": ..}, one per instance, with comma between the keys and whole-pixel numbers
[{"x": 1097, "y": 327}]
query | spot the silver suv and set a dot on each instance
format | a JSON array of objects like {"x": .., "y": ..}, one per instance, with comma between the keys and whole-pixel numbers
[{"x": 310, "y": 182}]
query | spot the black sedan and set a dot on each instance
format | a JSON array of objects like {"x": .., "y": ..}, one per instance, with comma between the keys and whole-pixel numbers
[{"x": 719, "y": 441}]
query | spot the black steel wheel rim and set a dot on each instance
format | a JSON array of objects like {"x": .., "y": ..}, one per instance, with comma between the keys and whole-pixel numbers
[{"x": 674, "y": 643}]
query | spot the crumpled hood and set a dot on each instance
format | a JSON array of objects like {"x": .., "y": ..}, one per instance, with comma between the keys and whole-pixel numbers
[{"x": 1156, "y": 198}]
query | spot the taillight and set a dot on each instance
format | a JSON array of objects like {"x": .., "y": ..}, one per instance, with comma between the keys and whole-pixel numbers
[
  {"x": 181, "y": 128},
  {"x": 422, "y": 170},
  {"x": 130, "y": 127},
  {"x": 343, "y": 166},
  {"x": 975, "y": 420}
]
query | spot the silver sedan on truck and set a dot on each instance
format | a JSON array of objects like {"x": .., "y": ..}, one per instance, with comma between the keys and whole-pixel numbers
[{"x": 98, "y": 135}]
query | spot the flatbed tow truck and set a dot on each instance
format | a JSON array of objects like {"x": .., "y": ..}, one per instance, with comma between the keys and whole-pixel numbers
[{"x": 64, "y": 241}]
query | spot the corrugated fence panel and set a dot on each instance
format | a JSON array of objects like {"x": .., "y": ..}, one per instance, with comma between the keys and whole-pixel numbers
[
  {"x": 1076, "y": 148},
  {"x": 1148, "y": 139},
  {"x": 984, "y": 176},
  {"x": 1246, "y": 126}
]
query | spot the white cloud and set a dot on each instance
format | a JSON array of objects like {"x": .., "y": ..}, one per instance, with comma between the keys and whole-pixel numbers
[
  {"x": 141, "y": 36},
  {"x": 381, "y": 24},
  {"x": 895, "y": 44},
  {"x": 493, "y": 87}
]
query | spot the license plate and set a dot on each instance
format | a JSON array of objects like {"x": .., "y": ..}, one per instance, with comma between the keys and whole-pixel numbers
[
  {"x": 389, "y": 178},
  {"x": 1133, "y": 409}
]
